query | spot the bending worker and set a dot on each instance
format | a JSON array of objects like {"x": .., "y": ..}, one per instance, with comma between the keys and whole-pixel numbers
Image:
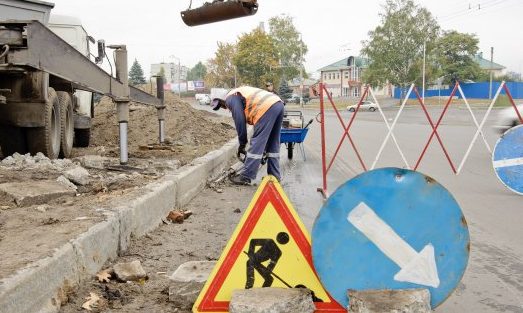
[{"x": 264, "y": 110}]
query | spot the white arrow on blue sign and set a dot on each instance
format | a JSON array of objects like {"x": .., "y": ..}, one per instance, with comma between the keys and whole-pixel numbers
[
  {"x": 507, "y": 159},
  {"x": 390, "y": 228}
]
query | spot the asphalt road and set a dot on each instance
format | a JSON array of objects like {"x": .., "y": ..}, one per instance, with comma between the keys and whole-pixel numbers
[{"x": 493, "y": 281}]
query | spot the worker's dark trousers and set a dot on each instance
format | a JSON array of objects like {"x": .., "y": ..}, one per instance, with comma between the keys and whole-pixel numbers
[{"x": 266, "y": 138}]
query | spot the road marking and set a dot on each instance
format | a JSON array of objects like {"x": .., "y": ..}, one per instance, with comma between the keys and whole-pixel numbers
[
  {"x": 419, "y": 268},
  {"x": 508, "y": 162}
]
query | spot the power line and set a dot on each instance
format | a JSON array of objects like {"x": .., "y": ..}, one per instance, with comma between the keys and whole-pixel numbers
[{"x": 472, "y": 9}]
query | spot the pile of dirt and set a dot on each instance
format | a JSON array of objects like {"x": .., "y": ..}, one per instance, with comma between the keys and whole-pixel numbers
[{"x": 189, "y": 133}]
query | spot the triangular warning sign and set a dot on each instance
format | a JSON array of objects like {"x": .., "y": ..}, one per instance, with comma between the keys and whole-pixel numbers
[{"x": 270, "y": 247}]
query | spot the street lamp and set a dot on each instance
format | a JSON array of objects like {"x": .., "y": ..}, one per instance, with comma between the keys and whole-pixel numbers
[{"x": 179, "y": 70}]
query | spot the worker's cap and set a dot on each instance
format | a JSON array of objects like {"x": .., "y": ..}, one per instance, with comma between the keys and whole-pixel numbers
[{"x": 215, "y": 104}]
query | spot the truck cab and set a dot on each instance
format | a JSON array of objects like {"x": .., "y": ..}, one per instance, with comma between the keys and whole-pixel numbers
[{"x": 71, "y": 30}]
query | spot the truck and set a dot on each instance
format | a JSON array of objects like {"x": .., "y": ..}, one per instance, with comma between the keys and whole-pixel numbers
[{"x": 47, "y": 81}]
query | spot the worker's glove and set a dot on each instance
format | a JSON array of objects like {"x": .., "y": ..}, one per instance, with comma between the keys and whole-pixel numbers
[{"x": 241, "y": 154}]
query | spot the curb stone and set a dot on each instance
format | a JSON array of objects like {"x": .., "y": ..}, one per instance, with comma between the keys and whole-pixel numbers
[{"x": 44, "y": 284}]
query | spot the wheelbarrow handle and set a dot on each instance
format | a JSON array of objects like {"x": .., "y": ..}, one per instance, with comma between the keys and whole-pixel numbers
[{"x": 309, "y": 123}]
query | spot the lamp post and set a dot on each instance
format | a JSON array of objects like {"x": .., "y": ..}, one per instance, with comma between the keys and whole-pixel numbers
[{"x": 179, "y": 71}]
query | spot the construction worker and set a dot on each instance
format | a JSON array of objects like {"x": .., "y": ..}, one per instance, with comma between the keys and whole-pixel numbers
[{"x": 264, "y": 110}]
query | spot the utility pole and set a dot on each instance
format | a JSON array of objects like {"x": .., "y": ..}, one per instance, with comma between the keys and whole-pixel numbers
[
  {"x": 424, "y": 53},
  {"x": 491, "y": 72},
  {"x": 301, "y": 74}
]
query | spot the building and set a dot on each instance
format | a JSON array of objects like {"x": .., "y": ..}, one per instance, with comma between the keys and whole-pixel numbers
[
  {"x": 307, "y": 86},
  {"x": 170, "y": 71},
  {"x": 343, "y": 78},
  {"x": 497, "y": 69}
]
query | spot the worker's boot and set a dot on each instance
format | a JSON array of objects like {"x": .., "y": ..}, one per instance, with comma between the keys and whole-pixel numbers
[{"x": 240, "y": 180}]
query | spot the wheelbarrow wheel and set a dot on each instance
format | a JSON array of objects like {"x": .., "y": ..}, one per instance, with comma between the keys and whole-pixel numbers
[{"x": 290, "y": 148}]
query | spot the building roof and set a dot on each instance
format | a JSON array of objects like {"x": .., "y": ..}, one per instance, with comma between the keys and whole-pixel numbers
[
  {"x": 346, "y": 63},
  {"x": 486, "y": 65}
]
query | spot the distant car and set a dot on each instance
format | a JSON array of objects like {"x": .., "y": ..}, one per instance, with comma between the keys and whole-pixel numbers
[
  {"x": 365, "y": 105},
  {"x": 296, "y": 99},
  {"x": 204, "y": 99},
  {"x": 507, "y": 118}
]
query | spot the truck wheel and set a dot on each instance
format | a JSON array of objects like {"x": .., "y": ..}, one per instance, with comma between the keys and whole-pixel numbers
[
  {"x": 67, "y": 124},
  {"x": 47, "y": 139},
  {"x": 82, "y": 137},
  {"x": 12, "y": 139}
]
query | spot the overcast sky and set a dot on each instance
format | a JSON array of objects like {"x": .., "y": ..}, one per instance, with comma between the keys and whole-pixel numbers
[{"x": 332, "y": 29}]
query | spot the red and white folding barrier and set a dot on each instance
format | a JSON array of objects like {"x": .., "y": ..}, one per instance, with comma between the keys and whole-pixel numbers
[{"x": 327, "y": 165}]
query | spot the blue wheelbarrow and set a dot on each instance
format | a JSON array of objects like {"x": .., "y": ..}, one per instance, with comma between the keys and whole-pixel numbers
[{"x": 291, "y": 136}]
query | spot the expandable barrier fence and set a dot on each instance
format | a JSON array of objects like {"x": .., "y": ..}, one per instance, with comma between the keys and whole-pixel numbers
[{"x": 368, "y": 92}]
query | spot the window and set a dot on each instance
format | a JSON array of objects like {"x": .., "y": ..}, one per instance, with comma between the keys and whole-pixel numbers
[
  {"x": 356, "y": 92},
  {"x": 346, "y": 92},
  {"x": 346, "y": 74}
]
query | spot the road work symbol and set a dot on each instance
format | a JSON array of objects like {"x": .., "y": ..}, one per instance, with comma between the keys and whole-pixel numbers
[
  {"x": 508, "y": 159},
  {"x": 260, "y": 251},
  {"x": 269, "y": 248},
  {"x": 390, "y": 229}
]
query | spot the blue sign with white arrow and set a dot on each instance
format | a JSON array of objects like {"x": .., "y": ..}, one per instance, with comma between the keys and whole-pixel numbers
[
  {"x": 508, "y": 159},
  {"x": 391, "y": 228}
]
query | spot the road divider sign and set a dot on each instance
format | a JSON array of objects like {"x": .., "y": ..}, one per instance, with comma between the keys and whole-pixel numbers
[
  {"x": 390, "y": 228},
  {"x": 507, "y": 159},
  {"x": 270, "y": 247}
]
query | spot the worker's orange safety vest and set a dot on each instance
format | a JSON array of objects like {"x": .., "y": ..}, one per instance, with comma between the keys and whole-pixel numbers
[{"x": 257, "y": 102}]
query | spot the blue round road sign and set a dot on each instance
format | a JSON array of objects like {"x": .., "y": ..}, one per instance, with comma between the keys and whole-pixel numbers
[
  {"x": 390, "y": 228},
  {"x": 508, "y": 159}
]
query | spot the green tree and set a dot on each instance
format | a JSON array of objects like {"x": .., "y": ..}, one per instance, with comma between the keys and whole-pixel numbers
[
  {"x": 285, "y": 91},
  {"x": 198, "y": 72},
  {"x": 455, "y": 53},
  {"x": 221, "y": 69},
  {"x": 395, "y": 48},
  {"x": 256, "y": 58},
  {"x": 290, "y": 47},
  {"x": 136, "y": 76}
]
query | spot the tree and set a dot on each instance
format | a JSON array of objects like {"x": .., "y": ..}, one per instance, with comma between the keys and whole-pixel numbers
[
  {"x": 285, "y": 91},
  {"x": 395, "y": 48},
  {"x": 256, "y": 58},
  {"x": 221, "y": 69},
  {"x": 136, "y": 74},
  {"x": 289, "y": 45},
  {"x": 455, "y": 53},
  {"x": 198, "y": 72}
]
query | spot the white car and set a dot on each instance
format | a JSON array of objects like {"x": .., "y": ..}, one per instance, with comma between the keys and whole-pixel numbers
[
  {"x": 507, "y": 118},
  {"x": 365, "y": 105}
]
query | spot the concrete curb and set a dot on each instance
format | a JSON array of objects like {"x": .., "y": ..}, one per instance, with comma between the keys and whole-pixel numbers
[{"x": 43, "y": 285}]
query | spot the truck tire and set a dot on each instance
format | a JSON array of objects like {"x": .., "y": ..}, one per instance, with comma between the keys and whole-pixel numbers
[
  {"x": 12, "y": 139},
  {"x": 47, "y": 139},
  {"x": 82, "y": 137},
  {"x": 67, "y": 123}
]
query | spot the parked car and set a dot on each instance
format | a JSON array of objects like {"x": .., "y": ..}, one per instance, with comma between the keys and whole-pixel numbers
[
  {"x": 507, "y": 118},
  {"x": 365, "y": 105}
]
